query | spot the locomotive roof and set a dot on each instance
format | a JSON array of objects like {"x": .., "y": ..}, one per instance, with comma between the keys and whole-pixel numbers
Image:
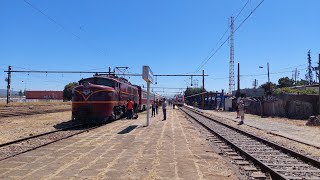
[{"x": 111, "y": 77}]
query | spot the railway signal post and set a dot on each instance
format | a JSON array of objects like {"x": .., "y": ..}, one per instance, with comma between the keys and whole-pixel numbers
[{"x": 147, "y": 75}]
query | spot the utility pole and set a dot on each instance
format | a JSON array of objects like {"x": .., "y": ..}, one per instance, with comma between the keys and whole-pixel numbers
[
  {"x": 238, "y": 89},
  {"x": 9, "y": 83},
  {"x": 295, "y": 75},
  {"x": 203, "y": 89},
  {"x": 268, "y": 73},
  {"x": 255, "y": 84},
  {"x": 319, "y": 81}
]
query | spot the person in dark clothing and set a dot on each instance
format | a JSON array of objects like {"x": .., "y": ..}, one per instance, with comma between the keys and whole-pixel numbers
[
  {"x": 135, "y": 109},
  {"x": 153, "y": 107},
  {"x": 164, "y": 109},
  {"x": 157, "y": 105}
]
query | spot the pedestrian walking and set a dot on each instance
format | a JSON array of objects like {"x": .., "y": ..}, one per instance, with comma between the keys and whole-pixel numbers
[
  {"x": 164, "y": 109},
  {"x": 129, "y": 109},
  {"x": 241, "y": 111},
  {"x": 153, "y": 107}
]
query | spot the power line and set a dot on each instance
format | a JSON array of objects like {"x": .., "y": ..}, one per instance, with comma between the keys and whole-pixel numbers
[
  {"x": 166, "y": 88},
  {"x": 199, "y": 67},
  {"x": 51, "y": 19},
  {"x": 262, "y": 74},
  {"x": 206, "y": 61},
  {"x": 61, "y": 26}
]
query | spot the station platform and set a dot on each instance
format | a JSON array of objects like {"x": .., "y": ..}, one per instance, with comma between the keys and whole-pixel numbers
[
  {"x": 288, "y": 128},
  {"x": 171, "y": 149}
]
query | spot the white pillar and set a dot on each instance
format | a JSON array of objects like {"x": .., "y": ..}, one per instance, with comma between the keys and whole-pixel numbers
[{"x": 148, "y": 102}]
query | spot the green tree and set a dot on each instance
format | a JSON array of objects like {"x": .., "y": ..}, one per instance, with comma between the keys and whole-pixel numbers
[
  {"x": 302, "y": 82},
  {"x": 268, "y": 87},
  {"x": 309, "y": 75},
  {"x": 191, "y": 91},
  {"x": 285, "y": 82},
  {"x": 20, "y": 93},
  {"x": 67, "y": 91}
]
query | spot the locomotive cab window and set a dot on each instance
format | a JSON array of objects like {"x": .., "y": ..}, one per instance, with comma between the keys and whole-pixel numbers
[
  {"x": 105, "y": 82},
  {"x": 99, "y": 81}
]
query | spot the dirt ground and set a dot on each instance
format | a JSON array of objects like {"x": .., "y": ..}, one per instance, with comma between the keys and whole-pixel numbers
[
  {"x": 28, "y": 108},
  {"x": 16, "y": 127}
]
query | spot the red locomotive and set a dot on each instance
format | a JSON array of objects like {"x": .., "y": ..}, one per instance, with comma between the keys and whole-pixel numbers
[{"x": 103, "y": 98}]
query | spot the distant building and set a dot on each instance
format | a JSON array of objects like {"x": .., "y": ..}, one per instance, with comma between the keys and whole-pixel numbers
[{"x": 44, "y": 95}]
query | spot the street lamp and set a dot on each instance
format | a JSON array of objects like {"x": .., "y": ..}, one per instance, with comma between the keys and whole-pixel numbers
[
  {"x": 269, "y": 84},
  {"x": 25, "y": 85},
  {"x": 268, "y": 71}
]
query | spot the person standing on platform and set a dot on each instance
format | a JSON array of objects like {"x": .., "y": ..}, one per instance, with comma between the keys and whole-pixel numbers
[
  {"x": 129, "y": 109},
  {"x": 157, "y": 105},
  {"x": 241, "y": 111},
  {"x": 237, "y": 107},
  {"x": 153, "y": 107},
  {"x": 164, "y": 109},
  {"x": 135, "y": 109}
]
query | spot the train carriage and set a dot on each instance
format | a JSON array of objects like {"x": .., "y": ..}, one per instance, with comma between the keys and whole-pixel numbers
[
  {"x": 178, "y": 100},
  {"x": 143, "y": 98}
]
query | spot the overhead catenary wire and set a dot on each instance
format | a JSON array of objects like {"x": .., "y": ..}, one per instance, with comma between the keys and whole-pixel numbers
[{"x": 261, "y": 74}]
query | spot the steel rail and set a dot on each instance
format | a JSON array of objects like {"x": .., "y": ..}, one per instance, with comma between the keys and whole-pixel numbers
[{"x": 263, "y": 166}]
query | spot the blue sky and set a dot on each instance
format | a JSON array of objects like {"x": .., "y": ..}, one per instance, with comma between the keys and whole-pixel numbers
[{"x": 171, "y": 36}]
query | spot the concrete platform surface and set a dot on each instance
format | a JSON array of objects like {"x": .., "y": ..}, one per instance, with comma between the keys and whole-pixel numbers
[{"x": 171, "y": 149}]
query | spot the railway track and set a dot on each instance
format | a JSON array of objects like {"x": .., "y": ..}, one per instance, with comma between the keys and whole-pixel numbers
[
  {"x": 13, "y": 148},
  {"x": 280, "y": 162}
]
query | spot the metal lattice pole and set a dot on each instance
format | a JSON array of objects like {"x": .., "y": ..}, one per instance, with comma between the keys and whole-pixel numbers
[{"x": 231, "y": 65}]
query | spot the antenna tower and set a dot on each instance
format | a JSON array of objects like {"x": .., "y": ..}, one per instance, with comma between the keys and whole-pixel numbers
[{"x": 231, "y": 64}]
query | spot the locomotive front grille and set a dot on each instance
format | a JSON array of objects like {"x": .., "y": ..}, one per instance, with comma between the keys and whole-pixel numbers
[{"x": 84, "y": 113}]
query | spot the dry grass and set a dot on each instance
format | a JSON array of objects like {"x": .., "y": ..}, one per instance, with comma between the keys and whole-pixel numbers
[
  {"x": 28, "y": 108},
  {"x": 13, "y": 128}
]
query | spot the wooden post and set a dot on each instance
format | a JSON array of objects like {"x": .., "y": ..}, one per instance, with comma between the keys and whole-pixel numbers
[
  {"x": 202, "y": 89},
  {"x": 238, "y": 85}
]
